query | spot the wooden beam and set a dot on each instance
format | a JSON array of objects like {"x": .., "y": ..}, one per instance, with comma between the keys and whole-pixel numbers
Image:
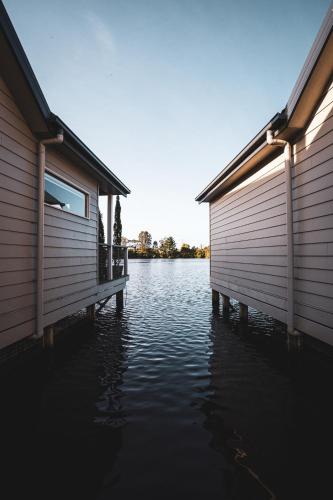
[
  {"x": 295, "y": 343},
  {"x": 48, "y": 338},
  {"x": 215, "y": 299},
  {"x": 243, "y": 312},
  {"x": 226, "y": 302},
  {"x": 91, "y": 312},
  {"x": 102, "y": 303},
  {"x": 120, "y": 300}
]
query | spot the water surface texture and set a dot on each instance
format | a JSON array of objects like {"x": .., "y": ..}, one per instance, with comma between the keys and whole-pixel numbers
[{"x": 168, "y": 400}]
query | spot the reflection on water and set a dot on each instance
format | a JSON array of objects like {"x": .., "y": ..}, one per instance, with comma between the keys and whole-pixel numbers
[{"x": 168, "y": 400}]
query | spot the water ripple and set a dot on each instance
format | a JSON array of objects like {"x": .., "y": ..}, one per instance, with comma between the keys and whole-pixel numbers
[{"x": 155, "y": 401}]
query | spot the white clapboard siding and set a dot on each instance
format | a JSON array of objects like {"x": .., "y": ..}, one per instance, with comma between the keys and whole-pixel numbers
[
  {"x": 75, "y": 302},
  {"x": 248, "y": 232},
  {"x": 248, "y": 241},
  {"x": 313, "y": 224},
  {"x": 70, "y": 263},
  {"x": 18, "y": 204},
  {"x": 70, "y": 241}
]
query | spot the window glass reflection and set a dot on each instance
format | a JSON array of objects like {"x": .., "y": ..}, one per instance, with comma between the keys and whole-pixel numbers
[{"x": 60, "y": 195}]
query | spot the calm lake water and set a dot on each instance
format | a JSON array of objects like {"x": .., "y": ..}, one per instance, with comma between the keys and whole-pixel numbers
[{"x": 168, "y": 400}]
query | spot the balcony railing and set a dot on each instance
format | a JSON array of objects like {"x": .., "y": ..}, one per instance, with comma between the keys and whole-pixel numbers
[
  {"x": 112, "y": 266},
  {"x": 119, "y": 261}
]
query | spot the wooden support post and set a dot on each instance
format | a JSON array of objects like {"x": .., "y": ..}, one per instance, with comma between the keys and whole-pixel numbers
[
  {"x": 120, "y": 300},
  {"x": 243, "y": 312},
  {"x": 48, "y": 338},
  {"x": 91, "y": 313},
  {"x": 295, "y": 342},
  {"x": 226, "y": 302},
  {"x": 215, "y": 299}
]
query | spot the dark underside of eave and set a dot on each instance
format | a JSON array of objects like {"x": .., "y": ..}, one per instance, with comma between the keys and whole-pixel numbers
[
  {"x": 314, "y": 77},
  {"x": 277, "y": 122},
  {"x": 22, "y": 82}
]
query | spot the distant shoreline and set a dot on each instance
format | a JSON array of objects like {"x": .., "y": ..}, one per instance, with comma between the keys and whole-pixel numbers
[{"x": 167, "y": 258}]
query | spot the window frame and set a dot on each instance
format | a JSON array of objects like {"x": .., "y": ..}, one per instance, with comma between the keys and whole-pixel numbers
[{"x": 72, "y": 185}]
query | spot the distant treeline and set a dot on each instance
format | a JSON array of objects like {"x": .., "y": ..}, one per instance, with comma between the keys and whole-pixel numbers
[{"x": 145, "y": 248}]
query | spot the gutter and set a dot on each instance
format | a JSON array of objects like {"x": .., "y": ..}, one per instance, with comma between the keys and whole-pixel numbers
[
  {"x": 75, "y": 144},
  {"x": 42, "y": 121},
  {"x": 23, "y": 62},
  {"x": 320, "y": 45},
  {"x": 259, "y": 141},
  {"x": 308, "y": 89},
  {"x": 290, "y": 230},
  {"x": 40, "y": 231}
]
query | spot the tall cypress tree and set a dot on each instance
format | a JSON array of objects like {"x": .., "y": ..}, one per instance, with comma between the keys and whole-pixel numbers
[
  {"x": 101, "y": 233},
  {"x": 103, "y": 253},
  {"x": 117, "y": 226}
]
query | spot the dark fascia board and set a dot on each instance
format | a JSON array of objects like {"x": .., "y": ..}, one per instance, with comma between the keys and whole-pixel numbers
[
  {"x": 43, "y": 123},
  {"x": 20, "y": 73},
  {"x": 256, "y": 144},
  {"x": 252, "y": 163},
  {"x": 311, "y": 62},
  {"x": 306, "y": 93},
  {"x": 74, "y": 143}
]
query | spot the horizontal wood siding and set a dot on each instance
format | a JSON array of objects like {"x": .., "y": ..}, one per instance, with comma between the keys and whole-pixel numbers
[
  {"x": 70, "y": 262},
  {"x": 248, "y": 233},
  {"x": 18, "y": 204},
  {"x": 248, "y": 241},
  {"x": 70, "y": 245},
  {"x": 313, "y": 224},
  {"x": 88, "y": 296}
]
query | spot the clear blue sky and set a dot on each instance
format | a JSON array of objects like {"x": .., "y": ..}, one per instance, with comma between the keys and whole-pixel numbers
[{"x": 166, "y": 92}]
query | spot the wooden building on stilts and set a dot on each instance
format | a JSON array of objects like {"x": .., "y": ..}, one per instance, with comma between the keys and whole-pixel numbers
[
  {"x": 52, "y": 262},
  {"x": 271, "y": 208}
]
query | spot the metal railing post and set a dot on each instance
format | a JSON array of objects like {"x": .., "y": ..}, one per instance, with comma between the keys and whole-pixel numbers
[
  {"x": 125, "y": 261},
  {"x": 109, "y": 220}
]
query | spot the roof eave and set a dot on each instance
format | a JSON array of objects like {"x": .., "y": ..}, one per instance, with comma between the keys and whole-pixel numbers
[
  {"x": 19, "y": 74},
  {"x": 21, "y": 79},
  {"x": 322, "y": 43},
  {"x": 74, "y": 143},
  {"x": 310, "y": 85},
  {"x": 256, "y": 144}
]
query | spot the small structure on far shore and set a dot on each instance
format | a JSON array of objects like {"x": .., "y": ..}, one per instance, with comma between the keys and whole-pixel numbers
[
  {"x": 52, "y": 263},
  {"x": 271, "y": 208}
]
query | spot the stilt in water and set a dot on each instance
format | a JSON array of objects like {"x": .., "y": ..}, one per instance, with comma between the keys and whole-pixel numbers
[
  {"x": 243, "y": 312},
  {"x": 295, "y": 342},
  {"x": 120, "y": 300},
  {"x": 226, "y": 303},
  {"x": 91, "y": 313},
  {"x": 48, "y": 338},
  {"x": 215, "y": 300}
]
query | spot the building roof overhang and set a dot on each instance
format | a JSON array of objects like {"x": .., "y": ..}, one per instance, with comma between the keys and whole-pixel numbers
[
  {"x": 289, "y": 123},
  {"x": 22, "y": 82}
]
